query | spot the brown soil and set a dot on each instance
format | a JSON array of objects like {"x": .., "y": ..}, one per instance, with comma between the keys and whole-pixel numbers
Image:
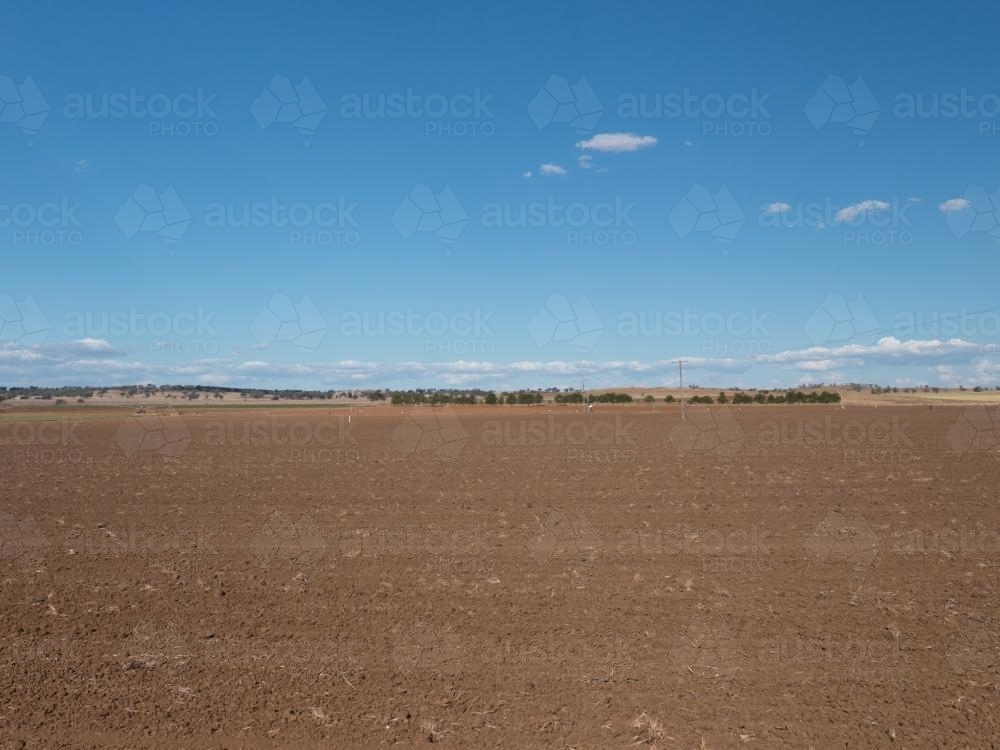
[{"x": 406, "y": 579}]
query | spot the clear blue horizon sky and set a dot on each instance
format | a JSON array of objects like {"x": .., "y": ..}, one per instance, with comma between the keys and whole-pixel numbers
[{"x": 790, "y": 253}]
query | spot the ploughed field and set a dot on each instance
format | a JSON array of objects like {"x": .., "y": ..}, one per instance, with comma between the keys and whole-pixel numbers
[{"x": 537, "y": 577}]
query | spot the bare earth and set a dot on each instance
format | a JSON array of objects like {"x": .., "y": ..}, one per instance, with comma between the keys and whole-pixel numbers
[{"x": 533, "y": 577}]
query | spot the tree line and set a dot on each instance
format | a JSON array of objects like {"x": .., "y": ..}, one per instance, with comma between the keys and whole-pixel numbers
[{"x": 789, "y": 397}]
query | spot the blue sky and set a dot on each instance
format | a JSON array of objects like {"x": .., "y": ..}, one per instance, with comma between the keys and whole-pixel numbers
[{"x": 794, "y": 253}]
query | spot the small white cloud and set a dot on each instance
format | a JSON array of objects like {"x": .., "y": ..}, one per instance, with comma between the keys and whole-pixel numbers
[
  {"x": 547, "y": 170},
  {"x": 816, "y": 365},
  {"x": 526, "y": 175},
  {"x": 95, "y": 345},
  {"x": 688, "y": 143},
  {"x": 778, "y": 207},
  {"x": 952, "y": 205},
  {"x": 616, "y": 143},
  {"x": 849, "y": 213},
  {"x": 80, "y": 165},
  {"x": 585, "y": 161},
  {"x": 829, "y": 377}
]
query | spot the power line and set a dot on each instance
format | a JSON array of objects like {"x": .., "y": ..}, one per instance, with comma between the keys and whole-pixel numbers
[{"x": 680, "y": 372}]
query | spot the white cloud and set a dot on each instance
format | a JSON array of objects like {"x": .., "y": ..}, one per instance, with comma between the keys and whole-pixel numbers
[
  {"x": 887, "y": 350},
  {"x": 816, "y": 365},
  {"x": 526, "y": 174},
  {"x": 828, "y": 377},
  {"x": 80, "y": 165},
  {"x": 585, "y": 161},
  {"x": 777, "y": 207},
  {"x": 849, "y": 213},
  {"x": 688, "y": 143},
  {"x": 548, "y": 170},
  {"x": 947, "y": 375},
  {"x": 617, "y": 143},
  {"x": 95, "y": 345},
  {"x": 953, "y": 205},
  {"x": 95, "y": 362}
]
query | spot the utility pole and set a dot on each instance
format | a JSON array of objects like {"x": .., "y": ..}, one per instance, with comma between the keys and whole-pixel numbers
[{"x": 680, "y": 372}]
